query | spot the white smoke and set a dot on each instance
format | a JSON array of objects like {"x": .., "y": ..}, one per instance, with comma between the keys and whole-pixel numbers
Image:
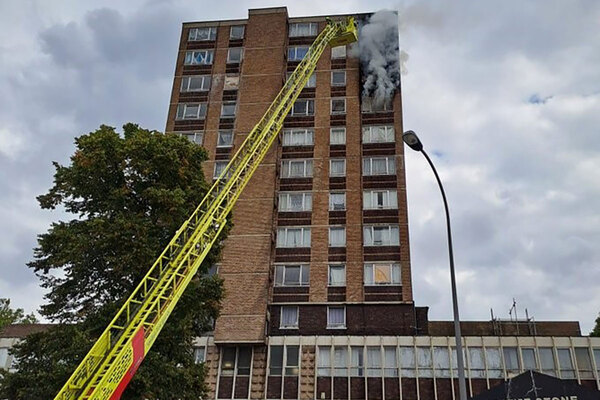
[{"x": 380, "y": 56}]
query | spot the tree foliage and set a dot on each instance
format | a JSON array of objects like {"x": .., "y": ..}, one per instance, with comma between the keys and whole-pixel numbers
[
  {"x": 17, "y": 316},
  {"x": 129, "y": 194},
  {"x": 596, "y": 331}
]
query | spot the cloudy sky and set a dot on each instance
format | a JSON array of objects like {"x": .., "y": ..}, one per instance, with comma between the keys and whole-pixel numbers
[{"x": 505, "y": 96}]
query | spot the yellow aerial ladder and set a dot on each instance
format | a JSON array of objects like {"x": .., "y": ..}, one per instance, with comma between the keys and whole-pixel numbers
[{"x": 115, "y": 357}]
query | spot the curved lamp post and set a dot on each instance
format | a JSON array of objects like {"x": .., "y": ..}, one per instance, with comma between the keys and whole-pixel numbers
[{"x": 412, "y": 140}]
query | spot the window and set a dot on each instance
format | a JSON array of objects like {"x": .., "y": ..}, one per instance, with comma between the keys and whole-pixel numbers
[
  {"x": 548, "y": 366},
  {"x": 276, "y": 360},
  {"x": 324, "y": 361},
  {"x": 225, "y": 139},
  {"x": 529, "y": 361},
  {"x": 370, "y": 105},
  {"x": 441, "y": 362},
  {"x": 197, "y": 83},
  {"x": 228, "y": 361},
  {"x": 476, "y": 363},
  {"x": 511, "y": 360},
  {"x": 244, "y": 359},
  {"x": 337, "y": 136},
  {"x": 337, "y": 201},
  {"x": 336, "y": 317},
  {"x": 228, "y": 110},
  {"x": 292, "y": 360},
  {"x": 373, "y": 361},
  {"x": 212, "y": 270},
  {"x": 494, "y": 362},
  {"x": 205, "y": 33},
  {"x": 297, "y": 53},
  {"x": 380, "y": 199},
  {"x": 337, "y": 236},
  {"x": 219, "y": 168},
  {"x": 379, "y": 166},
  {"x": 407, "y": 362},
  {"x": 236, "y": 32},
  {"x": 295, "y": 201},
  {"x": 4, "y": 358},
  {"x": 584, "y": 363},
  {"x": 597, "y": 358},
  {"x": 338, "y": 78},
  {"x": 194, "y": 137},
  {"x": 338, "y": 52},
  {"x": 337, "y": 275},
  {"x": 565, "y": 364},
  {"x": 236, "y": 359},
  {"x": 382, "y": 274},
  {"x": 378, "y": 134},
  {"x": 303, "y": 107},
  {"x": 199, "y": 354},
  {"x": 310, "y": 83},
  {"x": 454, "y": 361},
  {"x": 198, "y": 57},
  {"x": 289, "y": 317},
  {"x": 303, "y": 29},
  {"x": 357, "y": 362},
  {"x": 292, "y": 275},
  {"x": 390, "y": 362},
  {"x": 298, "y": 137},
  {"x": 191, "y": 111},
  {"x": 338, "y": 106},
  {"x": 232, "y": 82},
  {"x": 337, "y": 167},
  {"x": 296, "y": 168},
  {"x": 234, "y": 55},
  {"x": 293, "y": 237},
  {"x": 425, "y": 362},
  {"x": 384, "y": 235},
  {"x": 340, "y": 361}
]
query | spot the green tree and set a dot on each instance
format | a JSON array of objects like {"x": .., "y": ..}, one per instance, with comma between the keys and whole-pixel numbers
[
  {"x": 129, "y": 194},
  {"x": 17, "y": 316},
  {"x": 596, "y": 331}
]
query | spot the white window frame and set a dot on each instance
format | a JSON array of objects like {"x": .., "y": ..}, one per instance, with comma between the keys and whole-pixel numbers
[
  {"x": 194, "y": 137},
  {"x": 206, "y": 58},
  {"x": 370, "y": 199},
  {"x": 369, "y": 137},
  {"x": 329, "y": 267},
  {"x": 228, "y": 103},
  {"x": 288, "y": 134},
  {"x": 390, "y": 167},
  {"x": 219, "y": 162},
  {"x": 337, "y": 128},
  {"x": 187, "y": 80},
  {"x": 336, "y": 326},
  {"x": 235, "y": 37},
  {"x": 308, "y": 168},
  {"x": 369, "y": 277},
  {"x": 343, "y": 99},
  {"x": 312, "y": 29},
  {"x": 390, "y": 228},
  {"x": 338, "y": 49},
  {"x": 285, "y": 201},
  {"x": 333, "y": 83},
  {"x": 193, "y": 34},
  {"x": 219, "y": 142},
  {"x": 332, "y": 203},
  {"x": 310, "y": 83},
  {"x": 282, "y": 244},
  {"x": 281, "y": 326},
  {"x": 182, "y": 109},
  {"x": 307, "y": 112},
  {"x": 199, "y": 350},
  {"x": 339, "y": 228},
  {"x": 284, "y": 267},
  {"x": 230, "y": 60},
  {"x": 337, "y": 160},
  {"x": 293, "y": 52}
]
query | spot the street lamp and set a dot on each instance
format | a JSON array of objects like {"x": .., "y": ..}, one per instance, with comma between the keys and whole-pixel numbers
[{"x": 412, "y": 140}]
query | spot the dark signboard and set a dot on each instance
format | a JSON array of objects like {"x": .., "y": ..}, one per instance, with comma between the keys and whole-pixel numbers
[{"x": 531, "y": 385}]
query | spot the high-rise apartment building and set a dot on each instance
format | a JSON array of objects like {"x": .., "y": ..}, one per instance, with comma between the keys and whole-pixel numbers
[{"x": 317, "y": 271}]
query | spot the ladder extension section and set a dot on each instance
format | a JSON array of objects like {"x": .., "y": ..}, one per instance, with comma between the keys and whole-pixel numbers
[{"x": 113, "y": 360}]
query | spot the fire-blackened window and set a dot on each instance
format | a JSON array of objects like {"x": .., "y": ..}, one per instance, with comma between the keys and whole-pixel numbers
[{"x": 370, "y": 104}]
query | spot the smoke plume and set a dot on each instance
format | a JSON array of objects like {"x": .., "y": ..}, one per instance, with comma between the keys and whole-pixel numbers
[{"x": 380, "y": 56}]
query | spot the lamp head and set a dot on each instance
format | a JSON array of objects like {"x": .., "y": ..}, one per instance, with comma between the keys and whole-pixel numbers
[{"x": 412, "y": 140}]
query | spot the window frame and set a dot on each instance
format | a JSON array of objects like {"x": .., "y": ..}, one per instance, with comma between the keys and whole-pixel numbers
[
  {"x": 374, "y": 227},
  {"x": 192, "y": 136},
  {"x": 334, "y": 99},
  {"x": 307, "y": 171},
  {"x": 228, "y": 104},
  {"x": 284, "y": 267},
  {"x": 340, "y": 228},
  {"x": 231, "y": 35},
  {"x": 340, "y": 266},
  {"x": 286, "y": 229},
  {"x": 200, "y": 114},
  {"x": 336, "y": 160},
  {"x": 229, "y": 51},
  {"x": 332, "y": 203},
  {"x": 281, "y": 326},
  {"x": 337, "y": 128},
  {"x": 390, "y": 161},
  {"x": 391, "y": 267},
  {"x": 185, "y": 88},
  {"x": 307, "y": 109},
  {"x": 219, "y": 162},
  {"x": 309, "y": 136},
  {"x": 207, "y": 59},
  {"x": 227, "y": 145},
  {"x": 387, "y": 195},
  {"x": 212, "y": 34},
  {"x": 335, "y": 326},
  {"x": 310, "y": 83},
  {"x": 338, "y": 57},
  {"x": 293, "y": 52},
  {"x": 389, "y": 131},
  {"x": 311, "y": 32},
  {"x": 333, "y": 83},
  {"x": 367, "y": 106},
  {"x": 285, "y": 197}
]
